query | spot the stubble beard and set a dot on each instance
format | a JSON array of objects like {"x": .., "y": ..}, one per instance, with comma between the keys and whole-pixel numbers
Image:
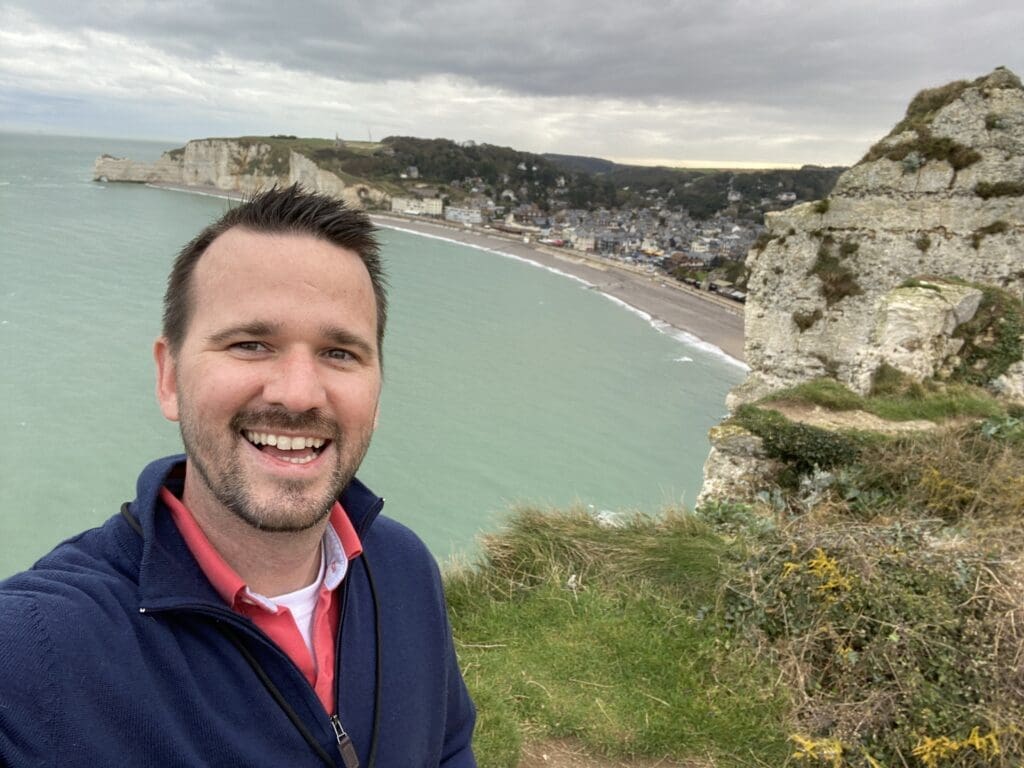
[{"x": 291, "y": 508}]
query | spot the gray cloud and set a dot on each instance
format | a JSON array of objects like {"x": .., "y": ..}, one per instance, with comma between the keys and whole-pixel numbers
[{"x": 847, "y": 64}]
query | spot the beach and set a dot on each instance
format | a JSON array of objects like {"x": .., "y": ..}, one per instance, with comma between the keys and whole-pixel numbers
[
  {"x": 712, "y": 319},
  {"x": 698, "y": 315}
]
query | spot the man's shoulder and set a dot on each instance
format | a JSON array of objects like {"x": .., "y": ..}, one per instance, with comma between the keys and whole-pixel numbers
[
  {"x": 96, "y": 567},
  {"x": 394, "y": 537}
]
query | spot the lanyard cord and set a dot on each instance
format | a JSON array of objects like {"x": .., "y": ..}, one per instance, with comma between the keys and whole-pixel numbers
[
  {"x": 231, "y": 635},
  {"x": 273, "y": 690}
]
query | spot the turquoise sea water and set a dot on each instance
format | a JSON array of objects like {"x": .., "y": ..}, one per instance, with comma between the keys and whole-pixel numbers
[{"x": 504, "y": 383}]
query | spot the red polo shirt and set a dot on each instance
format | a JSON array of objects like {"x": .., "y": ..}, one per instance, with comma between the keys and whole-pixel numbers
[{"x": 341, "y": 544}]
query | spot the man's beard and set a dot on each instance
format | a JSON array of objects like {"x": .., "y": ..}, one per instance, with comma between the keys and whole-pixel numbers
[{"x": 288, "y": 510}]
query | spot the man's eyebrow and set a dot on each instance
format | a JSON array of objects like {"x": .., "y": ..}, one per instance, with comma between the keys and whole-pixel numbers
[{"x": 258, "y": 329}]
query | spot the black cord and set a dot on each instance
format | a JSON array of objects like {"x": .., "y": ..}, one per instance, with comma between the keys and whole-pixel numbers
[
  {"x": 276, "y": 694},
  {"x": 269, "y": 684},
  {"x": 379, "y": 680}
]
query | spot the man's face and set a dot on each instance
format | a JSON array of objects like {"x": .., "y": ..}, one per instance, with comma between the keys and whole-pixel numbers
[{"x": 277, "y": 381}]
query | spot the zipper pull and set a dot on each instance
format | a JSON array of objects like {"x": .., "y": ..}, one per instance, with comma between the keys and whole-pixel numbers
[{"x": 345, "y": 745}]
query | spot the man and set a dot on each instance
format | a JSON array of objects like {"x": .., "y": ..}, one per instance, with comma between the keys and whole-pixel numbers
[{"x": 250, "y": 607}]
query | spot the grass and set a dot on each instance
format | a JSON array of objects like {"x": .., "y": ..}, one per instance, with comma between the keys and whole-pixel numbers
[
  {"x": 609, "y": 636},
  {"x": 925, "y": 146},
  {"x": 865, "y": 616},
  {"x": 895, "y": 397}
]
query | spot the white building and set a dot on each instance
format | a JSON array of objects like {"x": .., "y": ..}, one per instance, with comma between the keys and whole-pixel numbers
[
  {"x": 463, "y": 215},
  {"x": 414, "y": 206}
]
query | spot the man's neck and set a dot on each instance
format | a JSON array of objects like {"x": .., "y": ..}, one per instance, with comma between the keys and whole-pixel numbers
[{"x": 270, "y": 563}]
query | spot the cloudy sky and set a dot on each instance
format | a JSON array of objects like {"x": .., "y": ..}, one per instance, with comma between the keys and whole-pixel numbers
[{"x": 680, "y": 82}]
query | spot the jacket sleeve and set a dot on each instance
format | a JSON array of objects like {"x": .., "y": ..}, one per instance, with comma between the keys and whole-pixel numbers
[
  {"x": 29, "y": 706},
  {"x": 458, "y": 749}
]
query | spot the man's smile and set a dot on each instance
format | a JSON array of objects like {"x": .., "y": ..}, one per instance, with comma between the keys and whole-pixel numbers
[{"x": 304, "y": 448}]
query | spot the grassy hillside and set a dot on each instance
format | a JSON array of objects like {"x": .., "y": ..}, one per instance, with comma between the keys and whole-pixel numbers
[{"x": 867, "y": 610}]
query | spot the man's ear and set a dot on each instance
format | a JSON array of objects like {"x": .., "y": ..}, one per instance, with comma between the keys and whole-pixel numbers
[{"x": 166, "y": 379}]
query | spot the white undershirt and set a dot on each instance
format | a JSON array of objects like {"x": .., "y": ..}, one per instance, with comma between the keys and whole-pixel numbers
[{"x": 302, "y": 605}]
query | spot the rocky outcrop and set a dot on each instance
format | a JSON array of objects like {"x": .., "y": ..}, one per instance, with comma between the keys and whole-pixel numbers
[
  {"x": 942, "y": 197},
  {"x": 890, "y": 271},
  {"x": 311, "y": 176},
  {"x": 737, "y": 466},
  {"x": 235, "y": 166},
  {"x": 166, "y": 170}
]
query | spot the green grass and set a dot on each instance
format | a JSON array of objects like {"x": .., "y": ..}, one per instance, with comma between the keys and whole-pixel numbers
[
  {"x": 873, "y": 622},
  {"x": 895, "y": 398},
  {"x": 609, "y": 636}
]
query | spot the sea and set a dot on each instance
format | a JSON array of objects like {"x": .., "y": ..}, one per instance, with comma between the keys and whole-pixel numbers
[{"x": 506, "y": 385}]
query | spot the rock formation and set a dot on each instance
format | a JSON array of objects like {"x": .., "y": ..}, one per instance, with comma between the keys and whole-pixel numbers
[
  {"x": 834, "y": 285},
  {"x": 234, "y": 166},
  {"x": 890, "y": 271}
]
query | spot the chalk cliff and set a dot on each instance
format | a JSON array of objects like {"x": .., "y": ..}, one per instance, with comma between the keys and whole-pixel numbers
[
  {"x": 890, "y": 270},
  {"x": 235, "y": 166},
  {"x": 941, "y": 197}
]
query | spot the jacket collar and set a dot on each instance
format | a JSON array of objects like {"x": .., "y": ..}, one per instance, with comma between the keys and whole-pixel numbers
[{"x": 169, "y": 576}]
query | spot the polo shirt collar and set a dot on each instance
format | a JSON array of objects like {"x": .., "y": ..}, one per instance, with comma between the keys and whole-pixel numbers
[{"x": 340, "y": 544}]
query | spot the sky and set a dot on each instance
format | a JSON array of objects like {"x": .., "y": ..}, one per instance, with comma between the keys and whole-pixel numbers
[{"x": 726, "y": 83}]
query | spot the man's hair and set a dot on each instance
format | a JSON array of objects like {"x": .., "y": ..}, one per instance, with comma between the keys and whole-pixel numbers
[{"x": 277, "y": 211}]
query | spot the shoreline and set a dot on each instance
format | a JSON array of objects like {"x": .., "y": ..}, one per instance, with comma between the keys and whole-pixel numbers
[{"x": 695, "y": 317}]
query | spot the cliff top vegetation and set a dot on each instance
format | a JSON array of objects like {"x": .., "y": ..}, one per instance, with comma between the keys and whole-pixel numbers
[{"x": 864, "y": 611}]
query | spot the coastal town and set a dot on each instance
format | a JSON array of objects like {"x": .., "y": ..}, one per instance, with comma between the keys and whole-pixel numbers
[
  {"x": 692, "y": 226},
  {"x": 652, "y": 229}
]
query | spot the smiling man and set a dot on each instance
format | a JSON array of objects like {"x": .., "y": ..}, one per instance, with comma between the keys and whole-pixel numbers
[{"x": 251, "y": 606}]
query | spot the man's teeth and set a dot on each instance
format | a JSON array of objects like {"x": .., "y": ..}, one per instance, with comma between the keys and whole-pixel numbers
[{"x": 284, "y": 442}]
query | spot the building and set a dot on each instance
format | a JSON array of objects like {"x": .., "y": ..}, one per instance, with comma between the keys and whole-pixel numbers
[
  {"x": 414, "y": 206},
  {"x": 463, "y": 215}
]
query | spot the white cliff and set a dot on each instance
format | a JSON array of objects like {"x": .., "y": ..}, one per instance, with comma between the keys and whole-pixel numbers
[
  {"x": 893, "y": 270},
  {"x": 237, "y": 167},
  {"x": 821, "y": 290}
]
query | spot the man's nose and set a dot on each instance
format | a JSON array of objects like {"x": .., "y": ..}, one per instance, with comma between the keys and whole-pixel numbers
[{"x": 295, "y": 383}]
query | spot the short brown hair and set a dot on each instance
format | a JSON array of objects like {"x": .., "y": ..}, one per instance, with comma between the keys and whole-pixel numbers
[{"x": 291, "y": 210}]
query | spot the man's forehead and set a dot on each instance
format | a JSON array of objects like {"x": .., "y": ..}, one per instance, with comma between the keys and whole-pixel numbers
[{"x": 239, "y": 250}]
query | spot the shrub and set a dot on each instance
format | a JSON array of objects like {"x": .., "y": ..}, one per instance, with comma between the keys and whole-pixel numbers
[
  {"x": 805, "y": 320},
  {"x": 995, "y": 228},
  {"x": 992, "y": 338},
  {"x": 928, "y": 147},
  {"x": 994, "y": 122},
  {"x": 985, "y": 189},
  {"x": 822, "y": 206},
  {"x": 837, "y": 280},
  {"x": 889, "y": 640},
  {"x": 923, "y": 242},
  {"x": 887, "y": 380},
  {"x": 800, "y": 446}
]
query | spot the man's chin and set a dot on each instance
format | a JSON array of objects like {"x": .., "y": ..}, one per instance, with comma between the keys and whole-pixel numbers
[
  {"x": 294, "y": 519},
  {"x": 284, "y": 508}
]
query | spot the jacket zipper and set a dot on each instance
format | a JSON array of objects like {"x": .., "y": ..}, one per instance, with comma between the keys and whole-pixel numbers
[{"x": 346, "y": 747}]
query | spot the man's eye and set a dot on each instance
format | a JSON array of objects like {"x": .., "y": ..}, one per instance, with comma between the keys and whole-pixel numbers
[
  {"x": 248, "y": 346},
  {"x": 339, "y": 354}
]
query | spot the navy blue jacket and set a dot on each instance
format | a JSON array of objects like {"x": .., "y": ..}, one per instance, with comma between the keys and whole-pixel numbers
[{"x": 113, "y": 652}]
